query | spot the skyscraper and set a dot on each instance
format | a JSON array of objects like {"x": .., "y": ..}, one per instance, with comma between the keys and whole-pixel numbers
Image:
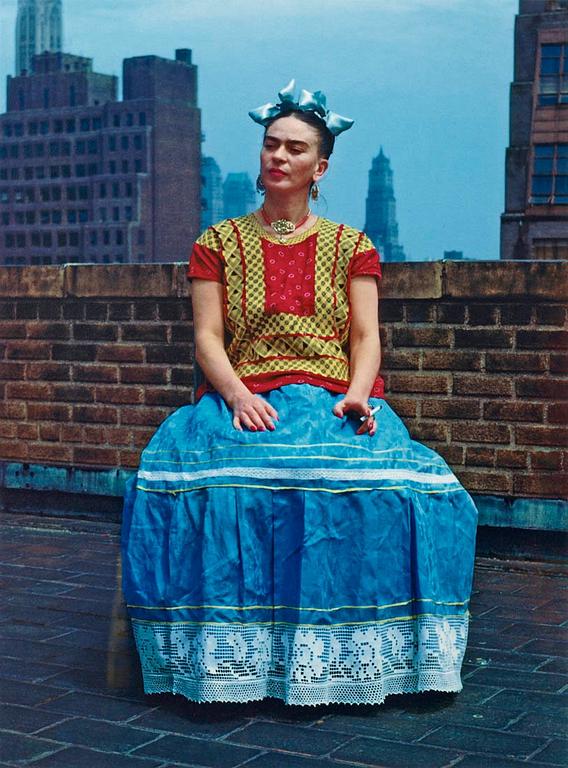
[
  {"x": 380, "y": 223},
  {"x": 238, "y": 195},
  {"x": 211, "y": 192},
  {"x": 84, "y": 177},
  {"x": 535, "y": 222},
  {"x": 39, "y": 28}
]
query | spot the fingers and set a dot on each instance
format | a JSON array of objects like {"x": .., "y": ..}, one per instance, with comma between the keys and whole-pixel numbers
[
  {"x": 339, "y": 409},
  {"x": 255, "y": 414},
  {"x": 369, "y": 425}
]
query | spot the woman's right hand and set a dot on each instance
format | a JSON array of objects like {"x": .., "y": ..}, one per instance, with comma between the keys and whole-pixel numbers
[{"x": 252, "y": 412}]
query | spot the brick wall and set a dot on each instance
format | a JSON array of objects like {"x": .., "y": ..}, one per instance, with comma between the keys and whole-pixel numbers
[{"x": 93, "y": 358}]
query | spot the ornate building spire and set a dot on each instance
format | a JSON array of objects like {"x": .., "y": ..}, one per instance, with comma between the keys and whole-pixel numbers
[
  {"x": 39, "y": 28},
  {"x": 380, "y": 223}
]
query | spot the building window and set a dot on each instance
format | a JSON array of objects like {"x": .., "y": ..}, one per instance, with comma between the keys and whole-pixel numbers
[
  {"x": 97, "y": 124},
  {"x": 5, "y": 218},
  {"x": 128, "y": 212},
  {"x": 21, "y": 240},
  {"x": 550, "y": 175},
  {"x": 14, "y": 174},
  {"x": 125, "y": 166},
  {"x": 128, "y": 189},
  {"x": 19, "y": 217},
  {"x": 112, "y": 143},
  {"x": 36, "y": 240},
  {"x": 80, "y": 146},
  {"x": 28, "y": 150},
  {"x": 124, "y": 142},
  {"x": 44, "y": 217},
  {"x": 112, "y": 166},
  {"x": 92, "y": 169},
  {"x": 46, "y": 98},
  {"x": 141, "y": 237},
  {"x": 85, "y": 124},
  {"x": 116, "y": 120},
  {"x": 70, "y": 126},
  {"x": 15, "y": 151},
  {"x": 129, "y": 119},
  {"x": 83, "y": 216},
  {"x": 93, "y": 237},
  {"x": 142, "y": 118},
  {"x": 73, "y": 238},
  {"x": 58, "y": 126},
  {"x": 71, "y": 193},
  {"x": 138, "y": 165},
  {"x": 553, "y": 74},
  {"x": 81, "y": 170},
  {"x": 72, "y": 217},
  {"x": 61, "y": 239},
  {"x": 115, "y": 189},
  {"x": 39, "y": 150},
  {"x": 83, "y": 193},
  {"x": 56, "y": 193},
  {"x": 56, "y": 217},
  {"x": 66, "y": 171},
  {"x": 4, "y": 174},
  {"x": 119, "y": 237},
  {"x": 4, "y": 196},
  {"x": 30, "y": 217},
  {"x": 102, "y": 214},
  {"x": 66, "y": 148},
  {"x": 103, "y": 190},
  {"x": 45, "y": 193},
  {"x": 44, "y": 127},
  {"x": 106, "y": 236},
  {"x": 32, "y": 129},
  {"x": 46, "y": 240},
  {"x": 92, "y": 147},
  {"x": 116, "y": 213}
]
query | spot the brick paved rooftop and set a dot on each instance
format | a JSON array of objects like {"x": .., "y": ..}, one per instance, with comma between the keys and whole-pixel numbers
[{"x": 71, "y": 695}]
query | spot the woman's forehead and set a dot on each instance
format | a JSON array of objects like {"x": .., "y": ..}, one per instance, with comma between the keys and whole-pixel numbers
[{"x": 291, "y": 129}]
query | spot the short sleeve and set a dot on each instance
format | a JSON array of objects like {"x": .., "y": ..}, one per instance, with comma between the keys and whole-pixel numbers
[
  {"x": 366, "y": 259},
  {"x": 206, "y": 258}
]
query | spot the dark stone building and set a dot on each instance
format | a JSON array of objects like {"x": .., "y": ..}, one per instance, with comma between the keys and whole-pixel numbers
[
  {"x": 211, "y": 192},
  {"x": 239, "y": 196},
  {"x": 39, "y": 28},
  {"x": 380, "y": 222},
  {"x": 535, "y": 222},
  {"x": 87, "y": 178}
]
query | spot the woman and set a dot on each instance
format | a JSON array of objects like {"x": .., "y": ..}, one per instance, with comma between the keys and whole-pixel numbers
[{"x": 285, "y": 536}]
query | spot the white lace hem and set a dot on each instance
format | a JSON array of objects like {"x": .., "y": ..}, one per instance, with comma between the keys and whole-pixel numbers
[{"x": 307, "y": 665}]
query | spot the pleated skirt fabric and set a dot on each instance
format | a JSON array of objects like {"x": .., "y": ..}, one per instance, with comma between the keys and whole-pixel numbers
[{"x": 309, "y": 564}]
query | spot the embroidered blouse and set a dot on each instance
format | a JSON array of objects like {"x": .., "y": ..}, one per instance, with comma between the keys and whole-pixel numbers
[{"x": 286, "y": 305}]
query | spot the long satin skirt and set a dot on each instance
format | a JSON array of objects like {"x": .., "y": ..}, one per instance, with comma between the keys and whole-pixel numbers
[{"x": 309, "y": 564}]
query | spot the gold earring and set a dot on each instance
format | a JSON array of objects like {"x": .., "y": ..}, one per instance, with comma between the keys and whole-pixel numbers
[{"x": 315, "y": 192}]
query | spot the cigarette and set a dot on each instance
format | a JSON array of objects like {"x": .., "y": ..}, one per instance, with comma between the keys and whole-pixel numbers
[{"x": 375, "y": 410}]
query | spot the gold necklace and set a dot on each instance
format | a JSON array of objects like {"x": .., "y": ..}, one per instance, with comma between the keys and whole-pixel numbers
[{"x": 284, "y": 226}]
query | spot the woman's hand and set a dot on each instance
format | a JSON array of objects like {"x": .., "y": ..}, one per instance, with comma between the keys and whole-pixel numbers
[
  {"x": 358, "y": 405},
  {"x": 252, "y": 412}
]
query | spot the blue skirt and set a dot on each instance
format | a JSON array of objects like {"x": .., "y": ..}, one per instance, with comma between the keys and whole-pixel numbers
[{"x": 309, "y": 564}]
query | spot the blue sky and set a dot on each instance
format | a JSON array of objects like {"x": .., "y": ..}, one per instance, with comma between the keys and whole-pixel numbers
[{"x": 426, "y": 79}]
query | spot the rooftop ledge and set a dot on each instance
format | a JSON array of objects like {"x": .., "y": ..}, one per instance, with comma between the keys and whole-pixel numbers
[{"x": 545, "y": 280}]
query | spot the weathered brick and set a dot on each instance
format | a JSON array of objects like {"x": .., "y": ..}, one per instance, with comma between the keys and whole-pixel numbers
[
  {"x": 12, "y": 370},
  {"x": 403, "y": 406},
  {"x": 50, "y": 432},
  {"x": 120, "y": 436},
  {"x": 119, "y": 395},
  {"x": 390, "y": 311},
  {"x": 534, "y": 435},
  {"x": 48, "y": 371},
  {"x": 71, "y": 433},
  {"x": 145, "y": 310},
  {"x": 397, "y": 360},
  {"x": 28, "y": 390},
  {"x": 427, "y": 383},
  {"x": 484, "y": 481},
  {"x": 140, "y": 332},
  {"x": 96, "y": 373},
  {"x": 99, "y": 414},
  {"x": 96, "y": 310},
  {"x": 421, "y": 337},
  {"x": 453, "y": 454},
  {"x": 73, "y": 393},
  {"x": 538, "y": 386},
  {"x": 182, "y": 377},
  {"x": 481, "y": 456},
  {"x": 559, "y": 363},
  {"x": 450, "y": 408},
  {"x": 173, "y": 397},
  {"x": 129, "y": 458},
  {"x": 120, "y": 310},
  {"x": 8, "y": 429},
  {"x": 516, "y": 314},
  {"x": 95, "y": 332},
  {"x": 50, "y": 452},
  {"x": 143, "y": 416},
  {"x": 93, "y": 455},
  {"x": 74, "y": 352},
  {"x": 451, "y": 313},
  {"x": 430, "y": 430},
  {"x": 7, "y": 310},
  {"x": 481, "y": 433},
  {"x": 28, "y": 350},
  {"x": 49, "y": 412},
  {"x": 477, "y": 384},
  {"x": 39, "y": 329},
  {"x": 420, "y": 312},
  {"x": 12, "y": 329},
  {"x": 169, "y": 353},
  {"x": 49, "y": 309},
  {"x": 514, "y": 459},
  {"x": 513, "y": 411},
  {"x": 182, "y": 334},
  {"x": 558, "y": 413},
  {"x": 444, "y": 360},
  {"x": 12, "y": 410},
  {"x": 550, "y": 314},
  {"x": 551, "y": 460},
  {"x": 120, "y": 353},
  {"x": 178, "y": 309},
  {"x": 137, "y": 374},
  {"x": 141, "y": 437},
  {"x": 73, "y": 310},
  {"x": 10, "y": 449},
  {"x": 515, "y": 361},
  {"x": 554, "y": 485},
  {"x": 542, "y": 339},
  {"x": 483, "y": 338},
  {"x": 482, "y": 314},
  {"x": 95, "y": 434},
  {"x": 26, "y": 310},
  {"x": 27, "y": 431}
]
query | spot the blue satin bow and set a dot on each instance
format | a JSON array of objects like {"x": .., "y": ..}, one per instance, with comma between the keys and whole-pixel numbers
[{"x": 307, "y": 102}]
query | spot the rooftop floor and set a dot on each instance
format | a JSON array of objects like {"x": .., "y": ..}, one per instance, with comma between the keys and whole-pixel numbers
[{"x": 71, "y": 694}]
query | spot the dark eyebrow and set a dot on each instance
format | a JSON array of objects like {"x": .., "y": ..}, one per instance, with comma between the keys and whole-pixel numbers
[{"x": 290, "y": 142}]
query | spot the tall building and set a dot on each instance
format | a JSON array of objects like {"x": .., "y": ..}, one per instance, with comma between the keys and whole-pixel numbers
[
  {"x": 84, "y": 177},
  {"x": 39, "y": 28},
  {"x": 380, "y": 222},
  {"x": 211, "y": 192},
  {"x": 535, "y": 222},
  {"x": 239, "y": 196}
]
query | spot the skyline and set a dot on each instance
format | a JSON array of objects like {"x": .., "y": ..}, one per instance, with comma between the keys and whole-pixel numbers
[{"x": 443, "y": 69}]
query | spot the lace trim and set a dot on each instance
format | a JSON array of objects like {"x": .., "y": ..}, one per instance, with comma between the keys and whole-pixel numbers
[{"x": 301, "y": 665}]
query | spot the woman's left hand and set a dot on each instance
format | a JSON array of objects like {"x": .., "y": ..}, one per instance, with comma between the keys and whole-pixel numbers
[{"x": 359, "y": 406}]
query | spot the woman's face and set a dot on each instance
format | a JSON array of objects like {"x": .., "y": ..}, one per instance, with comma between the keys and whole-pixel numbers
[{"x": 290, "y": 160}]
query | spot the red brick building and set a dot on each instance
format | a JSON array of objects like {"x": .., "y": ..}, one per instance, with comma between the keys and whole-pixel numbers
[{"x": 87, "y": 178}]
